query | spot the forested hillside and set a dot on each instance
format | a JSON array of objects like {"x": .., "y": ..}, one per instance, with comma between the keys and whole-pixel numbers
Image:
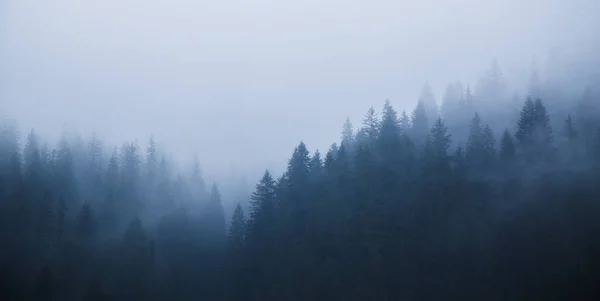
[{"x": 484, "y": 196}]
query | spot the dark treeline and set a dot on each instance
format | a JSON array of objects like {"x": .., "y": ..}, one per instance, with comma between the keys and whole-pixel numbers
[{"x": 489, "y": 196}]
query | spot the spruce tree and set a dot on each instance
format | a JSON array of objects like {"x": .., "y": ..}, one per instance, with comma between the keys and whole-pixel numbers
[
  {"x": 215, "y": 217},
  {"x": 404, "y": 121},
  {"x": 507, "y": 147},
  {"x": 427, "y": 98},
  {"x": 94, "y": 170},
  {"x": 526, "y": 127},
  {"x": 543, "y": 131},
  {"x": 348, "y": 132},
  {"x": 436, "y": 150},
  {"x": 151, "y": 162},
  {"x": 420, "y": 125},
  {"x": 534, "y": 134},
  {"x": 475, "y": 142},
  {"x": 489, "y": 145},
  {"x": 569, "y": 129},
  {"x": 237, "y": 231},
  {"x": 262, "y": 205},
  {"x": 65, "y": 179},
  {"x": 238, "y": 271},
  {"x": 316, "y": 165},
  {"x": 371, "y": 126}
]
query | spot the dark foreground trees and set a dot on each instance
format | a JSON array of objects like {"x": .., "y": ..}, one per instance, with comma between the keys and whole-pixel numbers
[{"x": 386, "y": 219}]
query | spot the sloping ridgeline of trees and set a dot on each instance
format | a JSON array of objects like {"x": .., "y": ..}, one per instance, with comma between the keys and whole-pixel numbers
[
  {"x": 486, "y": 197},
  {"x": 402, "y": 210}
]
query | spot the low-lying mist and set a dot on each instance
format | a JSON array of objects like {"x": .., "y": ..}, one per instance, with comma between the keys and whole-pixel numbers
[{"x": 316, "y": 151}]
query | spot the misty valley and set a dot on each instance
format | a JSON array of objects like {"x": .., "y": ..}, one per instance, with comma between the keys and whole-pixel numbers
[{"x": 487, "y": 196}]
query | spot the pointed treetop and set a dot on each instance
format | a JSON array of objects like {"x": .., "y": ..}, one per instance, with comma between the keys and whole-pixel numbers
[
  {"x": 427, "y": 95},
  {"x": 347, "y": 131},
  {"x": 569, "y": 129},
  {"x": 215, "y": 195},
  {"x": 404, "y": 121},
  {"x": 316, "y": 163},
  {"x": 439, "y": 137},
  {"x": 507, "y": 146},
  {"x": 371, "y": 124}
]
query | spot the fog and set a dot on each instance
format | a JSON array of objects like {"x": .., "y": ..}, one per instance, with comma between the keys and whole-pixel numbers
[
  {"x": 241, "y": 82},
  {"x": 167, "y": 150}
]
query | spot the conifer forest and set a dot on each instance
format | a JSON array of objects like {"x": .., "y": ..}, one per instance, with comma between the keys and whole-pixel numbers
[
  {"x": 487, "y": 196},
  {"x": 315, "y": 150}
]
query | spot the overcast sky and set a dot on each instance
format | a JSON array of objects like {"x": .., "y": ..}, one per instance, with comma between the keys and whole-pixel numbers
[{"x": 243, "y": 81}]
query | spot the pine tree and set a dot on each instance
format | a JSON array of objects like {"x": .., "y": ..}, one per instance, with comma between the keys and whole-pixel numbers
[
  {"x": 316, "y": 165},
  {"x": 94, "y": 170},
  {"x": 428, "y": 99},
  {"x": 452, "y": 102},
  {"x": 543, "y": 130},
  {"x": 215, "y": 217},
  {"x": 65, "y": 179},
  {"x": 236, "y": 253},
  {"x": 475, "y": 141},
  {"x": 436, "y": 162},
  {"x": 404, "y": 121},
  {"x": 459, "y": 163},
  {"x": 112, "y": 209},
  {"x": 237, "y": 230},
  {"x": 481, "y": 150},
  {"x": 129, "y": 180},
  {"x": 262, "y": 203},
  {"x": 534, "y": 134},
  {"x": 32, "y": 166},
  {"x": 296, "y": 202},
  {"x": 469, "y": 103},
  {"x": 419, "y": 125},
  {"x": 491, "y": 88},
  {"x": 526, "y": 127},
  {"x": 390, "y": 133},
  {"x": 197, "y": 181},
  {"x": 507, "y": 147},
  {"x": 390, "y": 125},
  {"x": 151, "y": 162},
  {"x": 371, "y": 125},
  {"x": 135, "y": 262},
  {"x": 489, "y": 145},
  {"x": 348, "y": 132},
  {"x": 569, "y": 129},
  {"x": 438, "y": 141}
]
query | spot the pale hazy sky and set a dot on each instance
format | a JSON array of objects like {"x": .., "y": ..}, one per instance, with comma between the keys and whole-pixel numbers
[{"x": 242, "y": 82}]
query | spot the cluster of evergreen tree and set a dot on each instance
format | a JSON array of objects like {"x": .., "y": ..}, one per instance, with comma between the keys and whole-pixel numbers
[
  {"x": 479, "y": 198},
  {"x": 399, "y": 211},
  {"x": 77, "y": 223}
]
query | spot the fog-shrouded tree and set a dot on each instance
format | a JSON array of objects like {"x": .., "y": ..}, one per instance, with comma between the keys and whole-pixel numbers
[
  {"x": 427, "y": 98},
  {"x": 420, "y": 125}
]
